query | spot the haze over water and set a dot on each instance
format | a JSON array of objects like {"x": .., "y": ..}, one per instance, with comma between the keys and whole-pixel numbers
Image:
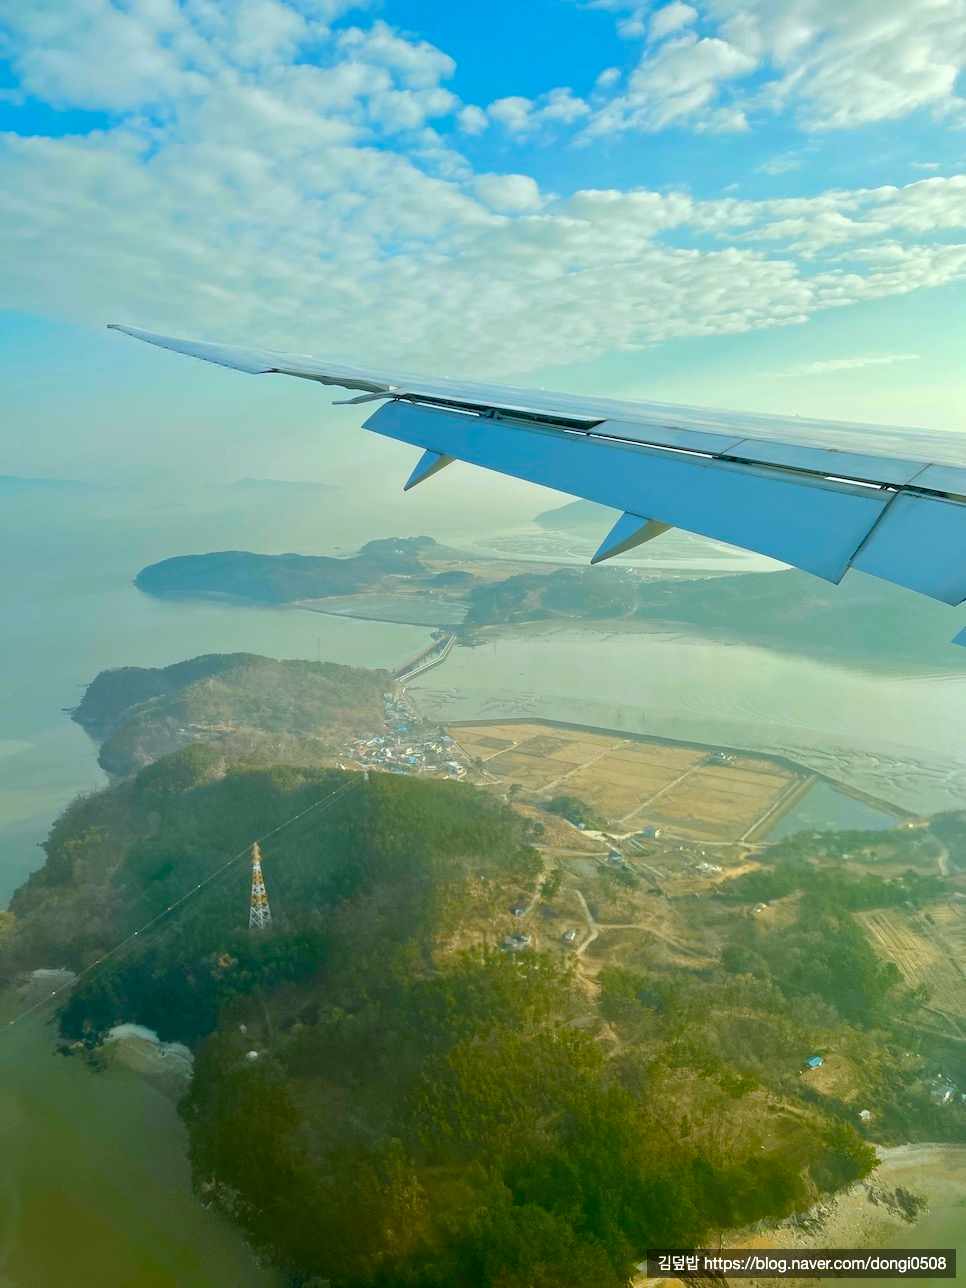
[{"x": 70, "y": 610}]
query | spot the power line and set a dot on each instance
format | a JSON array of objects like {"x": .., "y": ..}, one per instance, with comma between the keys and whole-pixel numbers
[{"x": 141, "y": 934}]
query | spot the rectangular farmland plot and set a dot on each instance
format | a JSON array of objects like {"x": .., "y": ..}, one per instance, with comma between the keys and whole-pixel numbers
[{"x": 672, "y": 758}]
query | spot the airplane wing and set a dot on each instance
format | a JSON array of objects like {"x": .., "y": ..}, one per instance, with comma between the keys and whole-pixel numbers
[{"x": 823, "y": 496}]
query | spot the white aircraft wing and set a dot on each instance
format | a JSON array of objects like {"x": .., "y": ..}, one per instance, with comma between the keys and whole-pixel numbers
[{"x": 823, "y": 496}]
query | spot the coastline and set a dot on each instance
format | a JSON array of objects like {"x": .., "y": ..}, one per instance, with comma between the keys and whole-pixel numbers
[
  {"x": 827, "y": 653},
  {"x": 868, "y": 1214},
  {"x": 873, "y": 1213}
]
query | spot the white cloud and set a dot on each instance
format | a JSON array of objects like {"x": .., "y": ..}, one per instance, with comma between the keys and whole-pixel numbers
[
  {"x": 418, "y": 64},
  {"x": 834, "y": 64},
  {"x": 508, "y": 192},
  {"x": 633, "y": 27},
  {"x": 265, "y": 205},
  {"x": 829, "y": 365},
  {"x": 522, "y": 116},
  {"x": 408, "y": 109},
  {"x": 845, "y": 226},
  {"x": 677, "y": 84},
  {"x": 781, "y": 164},
  {"x": 514, "y": 113},
  {"x": 841, "y": 64},
  {"x": 96, "y": 56},
  {"x": 607, "y": 78},
  {"x": 670, "y": 18},
  {"x": 722, "y": 120},
  {"x": 472, "y": 120},
  {"x": 254, "y": 33},
  {"x": 561, "y": 105}
]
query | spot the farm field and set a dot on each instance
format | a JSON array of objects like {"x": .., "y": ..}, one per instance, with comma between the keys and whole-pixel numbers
[
  {"x": 633, "y": 783},
  {"x": 927, "y": 952}
]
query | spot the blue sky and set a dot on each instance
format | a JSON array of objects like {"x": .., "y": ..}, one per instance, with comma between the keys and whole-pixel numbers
[{"x": 755, "y": 203}]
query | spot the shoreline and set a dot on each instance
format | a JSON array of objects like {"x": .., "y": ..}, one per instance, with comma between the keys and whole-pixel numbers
[
  {"x": 869, "y": 1214},
  {"x": 710, "y": 634}
]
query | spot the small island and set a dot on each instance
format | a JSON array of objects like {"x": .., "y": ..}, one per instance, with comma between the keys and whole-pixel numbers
[{"x": 288, "y": 579}]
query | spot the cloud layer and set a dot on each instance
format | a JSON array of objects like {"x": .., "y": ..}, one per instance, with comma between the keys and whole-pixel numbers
[
  {"x": 832, "y": 64},
  {"x": 265, "y": 177}
]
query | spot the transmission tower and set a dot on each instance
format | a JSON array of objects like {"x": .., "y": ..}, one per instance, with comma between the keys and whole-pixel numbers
[{"x": 260, "y": 915}]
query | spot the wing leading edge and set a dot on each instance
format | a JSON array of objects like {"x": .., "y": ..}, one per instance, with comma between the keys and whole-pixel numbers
[{"x": 820, "y": 495}]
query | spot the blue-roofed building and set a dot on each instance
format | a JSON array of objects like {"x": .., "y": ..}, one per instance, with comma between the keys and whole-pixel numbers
[{"x": 814, "y": 1062}]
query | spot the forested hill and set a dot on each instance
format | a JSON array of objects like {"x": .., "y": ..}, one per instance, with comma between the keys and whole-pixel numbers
[
  {"x": 789, "y": 609},
  {"x": 288, "y": 578},
  {"x": 253, "y": 706},
  {"x": 382, "y": 1095}
]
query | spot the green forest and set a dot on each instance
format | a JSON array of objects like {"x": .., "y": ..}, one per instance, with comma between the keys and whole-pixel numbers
[{"x": 425, "y": 1112}]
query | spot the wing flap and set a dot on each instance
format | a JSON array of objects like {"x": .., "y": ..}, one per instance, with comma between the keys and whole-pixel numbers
[
  {"x": 707, "y": 442},
  {"x": 789, "y": 518},
  {"x": 825, "y": 461},
  {"x": 942, "y": 478},
  {"x": 921, "y": 544},
  {"x": 629, "y": 532}
]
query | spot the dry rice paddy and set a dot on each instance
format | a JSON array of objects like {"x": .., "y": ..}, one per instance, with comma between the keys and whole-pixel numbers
[
  {"x": 928, "y": 952},
  {"x": 632, "y": 782}
]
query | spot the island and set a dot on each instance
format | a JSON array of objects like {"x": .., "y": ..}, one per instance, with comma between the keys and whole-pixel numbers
[
  {"x": 285, "y": 579},
  {"x": 482, "y": 1042},
  {"x": 415, "y": 579}
]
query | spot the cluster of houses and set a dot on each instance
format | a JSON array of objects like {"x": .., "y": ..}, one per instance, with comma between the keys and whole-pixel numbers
[
  {"x": 516, "y": 943},
  {"x": 519, "y": 908},
  {"x": 405, "y": 748}
]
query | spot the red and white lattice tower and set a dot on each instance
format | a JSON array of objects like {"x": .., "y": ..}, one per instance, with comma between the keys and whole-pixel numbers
[{"x": 260, "y": 914}]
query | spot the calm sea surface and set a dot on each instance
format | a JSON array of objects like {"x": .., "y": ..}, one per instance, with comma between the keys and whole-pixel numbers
[
  {"x": 95, "y": 1185},
  {"x": 896, "y": 733}
]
